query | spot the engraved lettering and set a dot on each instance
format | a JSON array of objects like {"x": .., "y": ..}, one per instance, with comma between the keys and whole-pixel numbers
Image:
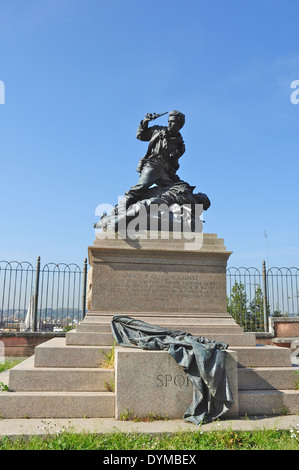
[
  {"x": 178, "y": 380},
  {"x": 168, "y": 378},
  {"x": 160, "y": 380}
]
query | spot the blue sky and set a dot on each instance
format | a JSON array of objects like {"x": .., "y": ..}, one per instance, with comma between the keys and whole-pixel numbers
[{"x": 79, "y": 76}]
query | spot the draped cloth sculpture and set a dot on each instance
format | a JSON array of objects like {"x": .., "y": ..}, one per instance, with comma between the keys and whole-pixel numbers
[{"x": 202, "y": 359}]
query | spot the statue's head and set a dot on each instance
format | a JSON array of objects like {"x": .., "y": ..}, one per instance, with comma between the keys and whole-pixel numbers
[{"x": 176, "y": 120}]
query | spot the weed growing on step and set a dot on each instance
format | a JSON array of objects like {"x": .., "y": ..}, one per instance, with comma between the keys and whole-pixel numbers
[
  {"x": 3, "y": 387},
  {"x": 129, "y": 415},
  {"x": 108, "y": 362},
  {"x": 284, "y": 411},
  {"x": 110, "y": 386}
]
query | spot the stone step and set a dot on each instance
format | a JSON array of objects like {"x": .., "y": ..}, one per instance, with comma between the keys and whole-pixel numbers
[
  {"x": 195, "y": 330},
  {"x": 164, "y": 320},
  {"x": 268, "y": 402},
  {"x": 55, "y": 353},
  {"x": 198, "y": 330},
  {"x": 202, "y": 330},
  {"x": 149, "y": 315},
  {"x": 33, "y": 404},
  {"x": 89, "y": 338},
  {"x": 284, "y": 342},
  {"x": 233, "y": 339},
  {"x": 26, "y": 377},
  {"x": 169, "y": 241},
  {"x": 263, "y": 356},
  {"x": 267, "y": 378},
  {"x": 57, "y": 405},
  {"x": 104, "y": 325}
]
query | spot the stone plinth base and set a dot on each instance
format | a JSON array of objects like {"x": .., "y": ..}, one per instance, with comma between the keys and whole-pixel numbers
[
  {"x": 152, "y": 382},
  {"x": 159, "y": 275}
]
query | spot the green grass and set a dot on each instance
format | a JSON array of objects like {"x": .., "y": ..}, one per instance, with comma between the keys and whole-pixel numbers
[
  {"x": 197, "y": 440},
  {"x": 9, "y": 363}
]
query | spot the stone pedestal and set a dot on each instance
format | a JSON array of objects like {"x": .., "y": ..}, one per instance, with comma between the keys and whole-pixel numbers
[
  {"x": 152, "y": 382},
  {"x": 173, "y": 282},
  {"x": 159, "y": 275}
]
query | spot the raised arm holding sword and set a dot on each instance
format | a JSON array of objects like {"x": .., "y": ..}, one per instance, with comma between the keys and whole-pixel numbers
[{"x": 160, "y": 163}]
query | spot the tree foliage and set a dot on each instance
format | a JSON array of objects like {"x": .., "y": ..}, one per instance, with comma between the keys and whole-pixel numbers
[{"x": 248, "y": 314}]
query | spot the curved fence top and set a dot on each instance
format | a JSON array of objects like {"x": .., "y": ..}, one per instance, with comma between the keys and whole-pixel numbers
[
  {"x": 52, "y": 291},
  {"x": 56, "y": 292}
]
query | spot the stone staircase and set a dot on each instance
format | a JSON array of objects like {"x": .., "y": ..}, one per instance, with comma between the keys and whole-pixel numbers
[
  {"x": 60, "y": 381},
  {"x": 65, "y": 379},
  {"x": 95, "y": 329}
]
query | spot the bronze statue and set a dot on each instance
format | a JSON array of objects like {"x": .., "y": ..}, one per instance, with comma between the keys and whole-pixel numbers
[
  {"x": 158, "y": 182},
  {"x": 160, "y": 163}
]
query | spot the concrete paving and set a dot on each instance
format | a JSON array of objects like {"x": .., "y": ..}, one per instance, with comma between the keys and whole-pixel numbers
[{"x": 30, "y": 427}]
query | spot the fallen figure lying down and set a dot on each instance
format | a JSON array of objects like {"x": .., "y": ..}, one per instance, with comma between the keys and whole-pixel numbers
[{"x": 175, "y": 206}]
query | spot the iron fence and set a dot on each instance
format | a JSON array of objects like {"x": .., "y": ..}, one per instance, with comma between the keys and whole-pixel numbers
[
  {"x": 41, "y": 298},
  {"x": 17, "y": 283},
  {"x": 253, "y": 295},
  {"x": 53, "y": 296},
  {"x": 283, "y": 291}
]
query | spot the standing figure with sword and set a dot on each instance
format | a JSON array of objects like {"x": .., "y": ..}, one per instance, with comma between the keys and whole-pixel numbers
[{"x": 160, "y": 163}]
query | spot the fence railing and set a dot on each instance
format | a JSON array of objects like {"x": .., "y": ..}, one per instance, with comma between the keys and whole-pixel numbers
[
  {"x": 41, "y": 298},
  {"x": 253, "y": 295},
  {"x": 53, "y": 296}
]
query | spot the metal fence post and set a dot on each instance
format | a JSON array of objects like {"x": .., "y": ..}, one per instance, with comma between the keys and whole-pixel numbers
[
  {"x": 36, "y": 294},
  {"x": 265, "y": 297},
  {"x": 84, "y": 288}
]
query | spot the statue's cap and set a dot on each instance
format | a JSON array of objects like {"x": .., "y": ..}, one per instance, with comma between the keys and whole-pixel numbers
[{"x": 178, "y": 114}]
